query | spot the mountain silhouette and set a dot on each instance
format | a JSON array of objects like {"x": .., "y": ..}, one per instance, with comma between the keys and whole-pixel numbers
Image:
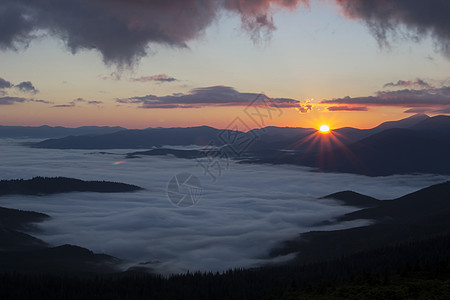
[
  {"x": 53, "y": 132},
  {"x": 422, "y": 148},
  {"x": 417, "y": 144},
  {"x": 137, "y": 139},
  {"x": 414, "y": 217},
  {"x": 351, "y": 198},
  {"x": 21, "y": 252},
  {"x": 54, "y": 185}
]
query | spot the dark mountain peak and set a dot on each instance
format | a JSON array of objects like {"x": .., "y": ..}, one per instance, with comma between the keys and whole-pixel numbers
[
  {"x": 424, "y": 204},
  {"x": 435, "y": 192},
  {"x": 404, "y": 123},
  {"x": 70, "y": 249},
  {"x": 421, "y": 116},
  {"x": 440, "y": 122},
  {"x": 352, "y": 198},
  {"x": 20, "y": 219}
]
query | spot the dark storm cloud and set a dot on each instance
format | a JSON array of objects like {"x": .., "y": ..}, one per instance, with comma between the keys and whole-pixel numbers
[
  {"x": 4, "y": 84},
  {"x": 158, "y": 78},
  {"x": 122, "y": 30},
  {"x": 26, "y": 87},
  {"x": 207, "y": 96},
  {"x": 420, "y": 18},
  {"x": 419, "y": 83},
  {"x": 402, "y": 98},
  {"x": 347, "y": 108}
]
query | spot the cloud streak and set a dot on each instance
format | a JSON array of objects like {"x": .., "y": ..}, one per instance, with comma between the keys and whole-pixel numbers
[
  {"x": 7, "y": 100},
  {"x": 347, "y": 108},
  {"x": 11, "y": 100},
  {"x": 76, "y": 101},
  {"x": 419, "y": 83},
  {"x": 158, "y": 78},
  {"x": 208, "y": 96},
  {"x": 433, "y": 97}
]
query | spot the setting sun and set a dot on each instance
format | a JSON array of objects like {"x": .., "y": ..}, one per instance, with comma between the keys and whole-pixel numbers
[{"x": 324, "y": 129}]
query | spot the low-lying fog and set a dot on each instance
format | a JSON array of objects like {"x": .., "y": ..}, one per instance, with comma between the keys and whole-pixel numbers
[{"x": 247, "y": 211}]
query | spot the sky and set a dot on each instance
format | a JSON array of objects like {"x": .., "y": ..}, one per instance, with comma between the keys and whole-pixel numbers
[{"x": 154, "y": 63}]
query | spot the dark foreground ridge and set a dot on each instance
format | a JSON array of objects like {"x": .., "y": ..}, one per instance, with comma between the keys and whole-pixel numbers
[
  {"x": 416, "y": 216},
  {"x": 21, "y": 252},
  {"x": 415, "y": 270},
  {"x": 55, "y": 185},
  {"x": 405, "y": 254}
]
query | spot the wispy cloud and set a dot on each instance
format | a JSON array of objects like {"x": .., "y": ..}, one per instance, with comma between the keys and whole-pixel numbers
[
  {"x": 4, "y": 84},
  {"x": 7, "y": 100},
  {"x": 419, "y": 83},
  {"x": 95, "y": 102},
  {"x": 26, "y": 87},
  {"x": 41, "y": 101},
  {"x": 208, "y": 96},
  {"x": 11, "y": 100},
  {"x": 158, "y": 78},
  {"x": 428, "y": 110},
  {"x": 76, "y": 101}
]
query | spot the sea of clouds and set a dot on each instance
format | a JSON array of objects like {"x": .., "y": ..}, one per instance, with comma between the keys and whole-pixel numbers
[{"x": 241, "y": 216}]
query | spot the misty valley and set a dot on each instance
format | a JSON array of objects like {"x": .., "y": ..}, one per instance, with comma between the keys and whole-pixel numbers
[{"x": 283, "y": 205}]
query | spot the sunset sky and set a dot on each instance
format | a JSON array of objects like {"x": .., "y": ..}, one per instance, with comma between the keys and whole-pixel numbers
[{"x": 144, "y": 63}]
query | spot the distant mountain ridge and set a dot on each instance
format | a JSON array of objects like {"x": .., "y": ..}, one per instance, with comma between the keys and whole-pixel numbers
[
  {"x": 53, "y": 132},
  {"x": 137, "y": 139},
  {"x": 417, "y": 144},
  {"x": 270, "y": 137},
  {"x": 54, "y": 185},
  {"x": 422, "y": 148}
]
